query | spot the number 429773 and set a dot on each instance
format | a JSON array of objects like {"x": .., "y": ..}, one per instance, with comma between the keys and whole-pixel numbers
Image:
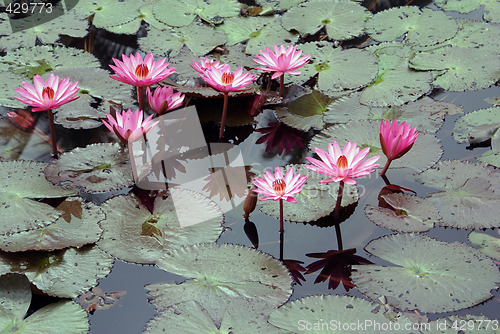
[{"x": 29, "y": 8}]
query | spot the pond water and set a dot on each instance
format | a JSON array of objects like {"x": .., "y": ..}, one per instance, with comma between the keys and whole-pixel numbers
[{"x": 131, "y": 311}]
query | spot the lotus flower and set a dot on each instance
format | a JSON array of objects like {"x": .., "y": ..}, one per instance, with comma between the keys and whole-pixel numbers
[
  {"x": 205, "y": 64},
  {"x": 396, "y": 139},
  {"x": 281, "y": 61},
  {"x": 342, "y": 166},
  {"x": 223, "y": 80},
  {"x": 129, "y": 126},
  {"x": 140, "y": 73},
  {"x": 47, "y": 95},
  {"x": 164, "y": 99},
  {"x": 277, "y": 187}
]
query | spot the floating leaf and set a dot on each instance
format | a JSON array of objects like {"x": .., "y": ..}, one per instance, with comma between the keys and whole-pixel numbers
[
  {"x": 272, "y": 33},
  {"x": 241, "y": 316},
  {"x": 425, "y": 114},
  {"x": 40, "y": 59},
  {"x": 468, "y": 196},
  {"x": 458, "y": 278},
  {"x": 464, "y": 68},
  {"x": 478, "y": 126},
  {"x": 112, "y": 13},
  {"x": 219, "y": 274},
  {"x": 132, "y": 233},
  {"x": 76, "y": 227},
  {"x": 425, "y": 152},
  {"x": 65, "y": 273},
  {"x": 342, "y": 19},
  {"x": 489, "y": 245},
  {"x": 239, "y": 29},
  {"x": 408, "y": 213},
  {"x": 325, "y": 314},
  {"x": 316, "y": 199},
  {"x": 183, "y": 12},
  {"x": 15, "y": 296},
  {"x": 477, "y": 34},
  {"x": 9, "y": 82},
  {"x": 280, "y": 4},
  {"x": 395, "y": 83},
  {"x": 21, "y": 182},
  {"x": 467, "y": 324},
  {"x": 420, "y": 27},
  {"x": 97, "y": 168},
  {"x": 491, "y": 7}
]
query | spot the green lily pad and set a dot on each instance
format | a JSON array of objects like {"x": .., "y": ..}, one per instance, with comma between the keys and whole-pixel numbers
[
  {"x": 64, "y": 317},
  {"x": 316, "y": 199},
  {"x": 464, "y": 68},
  {"x": 491, "y": 7},
  {"x": 279, "y": 4},
  {"x": 477, "y": 126},
  {"x": 272, "y": 33},
  {"x": 458, "y": 278},
  {"x": 199, "y": 38},
  {"x": 183, "y": 12},
  {"x": 21, "y": 183},
  {"x": 76, "y": 227},
  {"x": 132, "y": 233},
  {"x": 425, "y": 114},
  {"x": 420, "y": 27},
  {"x": 79, "y": 114},
  {"x": 408, "y": 214},
  {"x": 425, "y": 152},
  {"x": 219, "y": 274},
  {"x": 491, "y": 157},
  {"x": 112, "y": 13},
  {"x": 476, "y": 34},
  {"x": 331, "y": 314},
  {"x": 41, "y": 59},
  {"x": 466, "y": 324},
  {"x": 65, "y": 273},
  {"x": 9, "y": 82},
  {"x": 342, "y": 19},
  {"x": 489, "y": 245},
  {"x": 468, "y": 193},
  {"x": 96, "y": 168},
  {"x": 395, "y": 83},
  {"x": 241, "y": 316},
  {"x": 47, "y": 33},
  {"x": 239, "y": 29}
]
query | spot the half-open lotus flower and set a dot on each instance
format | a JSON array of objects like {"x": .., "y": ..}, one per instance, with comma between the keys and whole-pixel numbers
[
  {"x": 396, "y": 139},
  {"x": 137, "y": 72},
  {"x": 276, "y": 187},
  {"x": 223, "y": 80},
  {"x": 282, "y": 60},
  {"x": 342, "y": 165},
  {"x": 129, "y": 126},
  {"x": 164, "y": 99},
  {"x": 205, "y": 64},
  {"x": 45, "y": 95}
]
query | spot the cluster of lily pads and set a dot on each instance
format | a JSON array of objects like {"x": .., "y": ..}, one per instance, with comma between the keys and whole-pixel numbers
[{"x": 53, "y": 238}]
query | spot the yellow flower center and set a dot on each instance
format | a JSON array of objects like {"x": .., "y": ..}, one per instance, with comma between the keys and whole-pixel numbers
[
  {"x": 279, "y": 187},
  {"x": 342, "y": 162},
  {"x": 227, "y": 78},
  {"x": 49, "y": 92},
  {"x": 209, "y": 63},
  {"x": 141, "y": 71}
]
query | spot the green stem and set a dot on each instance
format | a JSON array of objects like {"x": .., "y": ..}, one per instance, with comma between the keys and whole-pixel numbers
[
  {"x": 52, "y": 133},
  {"x": 224, "y": 113}
]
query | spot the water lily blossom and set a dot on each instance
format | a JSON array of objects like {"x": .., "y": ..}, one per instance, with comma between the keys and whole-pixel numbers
[
  {"x": 278, "y": 187},
  {"x": 223, "y": 80},
  {"x": 281, "y": 61},
  {"x": 205, "y": 64},
  {"x": 129, "y": 126},
  {"x": 164, "y": 99},
  {"x": 396, "y": 140},
  {"x": 48, "y": 95},
  {"x": 342, "y": 165}
]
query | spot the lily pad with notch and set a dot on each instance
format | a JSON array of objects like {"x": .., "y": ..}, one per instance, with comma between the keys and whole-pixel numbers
[
  {"x": 217, "y": 275},
  {"x": 491, "y": 7},
  {"x": 459, "y": 277},
  {"x": 489, "y": 244}
]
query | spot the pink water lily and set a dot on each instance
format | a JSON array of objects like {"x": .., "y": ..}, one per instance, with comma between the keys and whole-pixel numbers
[
  {"x": 342, "y": 165},
  {"x": 129, "y": 126},
  {"x": 47, "y": 95},
  {"x": 205, "y": 64},
  {"x": 396, "y": 140},
  {"x": 281, "y": 61},
  {"x": 164, "y": 99},
  {"x": 277, "y": 186},
  {"x": 137, "y": 72}
]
